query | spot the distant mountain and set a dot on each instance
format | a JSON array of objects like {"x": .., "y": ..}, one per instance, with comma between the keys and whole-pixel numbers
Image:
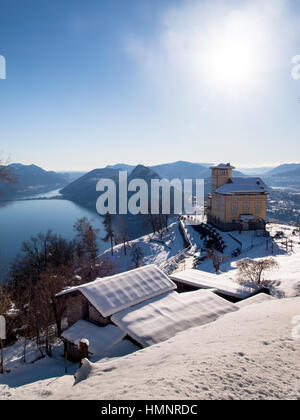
[
  {"x": 182, "y": 170},
  {"x": 295, "y": 173},
  {"x": 145, "y": 173},
  {"x": 72, "y": 175},
  {"x": 30, "y": 179},
  {"x": 186, "y": 170},
  {"x": 206, "y": 165},
  {"x": 285, "y": 176},
  {"x": 287, "y": 167},
  {"x": 122, "y": 167},
  {"x": 256, "y": 171},
  {"x": 83, "y": 189}
]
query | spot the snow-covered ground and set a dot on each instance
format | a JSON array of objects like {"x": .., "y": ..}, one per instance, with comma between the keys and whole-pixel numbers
[
  {"x": 285, "y": 282},
  {"x": 248, "y": 354},
  {"x": 35, "y": 369}
]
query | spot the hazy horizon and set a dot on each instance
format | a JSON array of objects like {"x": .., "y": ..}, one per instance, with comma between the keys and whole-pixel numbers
[{"x": 238, "y": 167}]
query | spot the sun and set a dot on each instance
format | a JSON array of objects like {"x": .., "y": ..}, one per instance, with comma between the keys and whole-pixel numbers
[{"x": 234, "y": 54}]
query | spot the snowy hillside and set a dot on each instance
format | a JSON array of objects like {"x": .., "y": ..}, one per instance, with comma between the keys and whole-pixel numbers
[
  {"x": 154, "y": 250},
  {"x": 248, "y": 354}
]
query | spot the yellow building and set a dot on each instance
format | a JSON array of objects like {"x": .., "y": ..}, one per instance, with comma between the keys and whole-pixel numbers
[{"x": 236, "y": 203}]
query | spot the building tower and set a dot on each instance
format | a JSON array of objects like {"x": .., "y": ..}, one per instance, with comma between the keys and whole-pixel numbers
[{"x": 220, "y": 175}]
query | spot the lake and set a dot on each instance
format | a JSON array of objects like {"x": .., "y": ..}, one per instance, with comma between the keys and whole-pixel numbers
[{"x": 21, "y": 219}]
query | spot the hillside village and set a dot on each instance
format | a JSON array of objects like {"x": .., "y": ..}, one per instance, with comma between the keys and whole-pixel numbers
[{"x": 183, "y": 300}]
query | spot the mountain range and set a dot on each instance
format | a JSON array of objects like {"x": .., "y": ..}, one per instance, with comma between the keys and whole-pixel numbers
[
  {"x": 295, "y": 173},
  {"x": 283, "y": 169},
  {"x": 79, "y": 186},
  {"x": 287, "y": 176},
  {"x": 180, "y": 169},
  {"x": 29, "y": 180},
  {"x": 83, "y": 190}
]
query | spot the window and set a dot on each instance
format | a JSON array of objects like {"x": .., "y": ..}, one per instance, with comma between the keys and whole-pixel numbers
[
  {"x": 258, "y": 208},
  {"x": 224, "y": 172},
  {"x": 246, "y": 208},
  {"x": 234, "y": 208}
]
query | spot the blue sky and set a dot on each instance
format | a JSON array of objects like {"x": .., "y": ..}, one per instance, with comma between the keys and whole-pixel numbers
[{"x": 148, "y": 81}]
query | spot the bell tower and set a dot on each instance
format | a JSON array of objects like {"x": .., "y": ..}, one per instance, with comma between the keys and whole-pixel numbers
[{"x": 220, "y": 175}]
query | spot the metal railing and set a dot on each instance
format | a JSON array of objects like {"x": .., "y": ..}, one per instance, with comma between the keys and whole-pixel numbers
[{"x": 173, "y": 263}]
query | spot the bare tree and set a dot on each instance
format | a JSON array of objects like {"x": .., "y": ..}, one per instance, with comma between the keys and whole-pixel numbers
[
  {"x": 137, "y": 255},
  {"x": 105, "y": 267},
  {"x": 161, "y": 222},
  {"x": 158, "y": 223},
  {"x": 6, "y": 172},
  {"x": 110, "y": 234},
  {"x": 53, "y": 280},
  {"x": 5, "y": 302},
  {"x": 216, "y": 259},
  {"x": 253, "y": 270},
  {"x": 166, "y": 218},
  {"x": 86, "y": 247},
  {"x": 122, "y": 232},
  {"x": 32, "y": 283},
  {"x": 150, "y": 222}
]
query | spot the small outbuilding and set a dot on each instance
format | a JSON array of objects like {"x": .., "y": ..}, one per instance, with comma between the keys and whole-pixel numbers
[
  {"x": 97, "y": 301},
  {"x": 90, "y": 306},
  {"x": 102, "y": 342},
  {"x": 192, "y": 279}
]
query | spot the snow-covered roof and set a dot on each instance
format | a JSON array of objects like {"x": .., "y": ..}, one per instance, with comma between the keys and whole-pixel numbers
[
  {"x": 163, "y": 317},
  {"x": 243, "y": 185},
  {"x": 223, "y": 166},
  {"x": 113, "y": 294},
  {"x": 203, "y": 280},
  {"x": 260, "y": 298},
  {"x": 100, "y": 339}
]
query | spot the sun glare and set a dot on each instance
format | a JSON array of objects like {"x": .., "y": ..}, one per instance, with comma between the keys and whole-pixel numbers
[{"x": 234, "y": 55}]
